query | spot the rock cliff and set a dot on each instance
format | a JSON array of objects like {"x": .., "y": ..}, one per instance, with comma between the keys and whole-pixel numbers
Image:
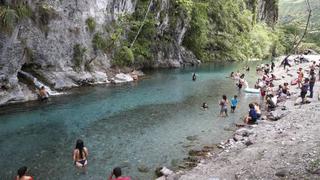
[
  {"x": 48, "y": 44},
  {"x": 62, "y": 43}
]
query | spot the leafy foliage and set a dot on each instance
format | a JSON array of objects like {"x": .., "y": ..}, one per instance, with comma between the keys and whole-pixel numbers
[
  {"x": 78, "y": 55},
  {"x": 91, "y": 24},
  {"x": 123, "y": 57},
  {"x": 8, "y": 18},
  {"x": 99, "y": 43},
  {"x": 293, "y": 20}
]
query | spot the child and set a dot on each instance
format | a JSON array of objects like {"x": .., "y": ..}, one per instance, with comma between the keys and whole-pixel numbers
[
  {"x": 234, "y": 103},
  {"x": 224, "y": 106}
]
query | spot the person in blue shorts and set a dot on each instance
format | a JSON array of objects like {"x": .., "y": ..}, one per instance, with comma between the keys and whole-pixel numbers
[{"x": 234, "y": 103}]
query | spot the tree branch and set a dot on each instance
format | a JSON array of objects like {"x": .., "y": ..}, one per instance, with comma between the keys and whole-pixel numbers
[
  {"x": 305, "y": 30},
  {"x": 144, "y": 19}
]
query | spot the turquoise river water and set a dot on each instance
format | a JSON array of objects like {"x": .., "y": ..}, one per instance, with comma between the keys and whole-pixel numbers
[{"x": 142, "y": 123}]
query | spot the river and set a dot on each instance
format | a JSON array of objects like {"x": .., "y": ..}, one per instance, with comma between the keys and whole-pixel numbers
[{"x": 138, "y": 124}]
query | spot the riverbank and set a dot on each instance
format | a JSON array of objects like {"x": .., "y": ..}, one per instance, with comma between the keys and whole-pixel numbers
[
  {"x": 285, "y": 148},
  {"x": 29, "y": 84}
]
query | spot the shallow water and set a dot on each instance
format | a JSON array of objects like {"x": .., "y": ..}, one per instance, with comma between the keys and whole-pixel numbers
[{"x": 143, "y": 123}]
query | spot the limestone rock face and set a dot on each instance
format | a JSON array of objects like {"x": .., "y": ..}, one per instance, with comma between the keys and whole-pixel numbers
[
  {"x": 268, "y": 11},
  {"x": 44, "y": 45}
]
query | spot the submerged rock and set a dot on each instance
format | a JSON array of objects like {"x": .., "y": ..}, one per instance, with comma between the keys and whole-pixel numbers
[
  {"x": 192, "y": 138},
  {"x": 143, "y": 168}
]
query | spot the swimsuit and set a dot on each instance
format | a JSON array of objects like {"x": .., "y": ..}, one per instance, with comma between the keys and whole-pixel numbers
[{"x": 83, "y": 162}]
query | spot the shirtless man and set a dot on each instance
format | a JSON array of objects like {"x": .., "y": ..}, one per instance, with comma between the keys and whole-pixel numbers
[{"x": 43, "y": 93}]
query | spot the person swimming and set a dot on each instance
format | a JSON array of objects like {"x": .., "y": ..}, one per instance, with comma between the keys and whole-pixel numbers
[
  {"x": 204, "y": 106},
  {"x": 22, "y": 174},
  {"x": 118, "y": 175},
  {"x": 80, "y": 154},
  {"x": 194, "y": 77}
]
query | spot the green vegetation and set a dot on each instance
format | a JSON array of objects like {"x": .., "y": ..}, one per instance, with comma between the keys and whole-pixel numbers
[
  {"x": 99, "y": 43},
  {"x": 91, "y": 24},
  {"x": 293, "y": 18},
  {"x": 78, "y": 55},
  {"x": 123, "y": 57},
  {"x": 218, "y": 31},
  {"x": 11, "y": 15},
  {"x": 224, "y": 30},
  {"x": 9, "y": 18}
]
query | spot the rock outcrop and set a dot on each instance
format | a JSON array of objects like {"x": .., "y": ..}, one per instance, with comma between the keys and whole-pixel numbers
[{"x": 50, "y": 44}]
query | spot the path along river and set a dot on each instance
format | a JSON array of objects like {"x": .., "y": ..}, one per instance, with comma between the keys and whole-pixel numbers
[{"x": 140, "y": 124}]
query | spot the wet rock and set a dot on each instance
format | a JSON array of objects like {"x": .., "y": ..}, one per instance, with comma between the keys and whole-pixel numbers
[
  {"x": 161, "y": 178},
  {"x": 192, "y": 159},
  {"x": 317, "y": 171},
  {"x": 282, "y": 173},
  {"x": 237, "y": 137},
  {"x": 248, "y": 143},
  {"x": 192, "y": 138},
  {"x": 125, "y": 164},
  {"x": 158, "y": 172},
  {"x": 143, "y": 168},
  {"x": 165, "y": 171},
  {"x": 194, "y": 152}
]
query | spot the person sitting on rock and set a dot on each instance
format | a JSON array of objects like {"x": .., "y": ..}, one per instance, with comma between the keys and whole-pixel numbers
[
  {"x": 271, "y": 104},
  {"x": 22, "y": 174},
  {"x": 258, "y": 110},
  {"x": 285, "y": 89},
  {"x": 43, "y": 93},
  {"x": 252, "y": 116},
  {"x": 117, "y": 173}
]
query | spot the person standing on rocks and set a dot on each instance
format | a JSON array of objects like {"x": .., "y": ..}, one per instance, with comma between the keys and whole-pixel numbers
[
  {"x": 285, "y": 63},
  {"x": 300, "y": 77},
  {"x": 224, "y": 106},
  {"x": 304, "y": 90},
  {"x": 312, "y": 82},
  {"x": 272, "y": 66}
]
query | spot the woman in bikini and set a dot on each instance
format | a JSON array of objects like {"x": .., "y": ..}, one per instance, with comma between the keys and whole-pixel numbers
[{"x": 80, "y": 154}]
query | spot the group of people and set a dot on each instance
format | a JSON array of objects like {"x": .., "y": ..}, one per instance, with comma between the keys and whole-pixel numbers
[
  {"x": 270, "y": 95},
  {"x": 80, "y": 159}
]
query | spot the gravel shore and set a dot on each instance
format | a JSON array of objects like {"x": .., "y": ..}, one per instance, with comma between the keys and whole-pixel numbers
[{"x": 288, "y": 148}]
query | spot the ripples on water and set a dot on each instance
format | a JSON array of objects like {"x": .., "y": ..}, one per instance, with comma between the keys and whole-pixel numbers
[{"x": 143, "y": 123}]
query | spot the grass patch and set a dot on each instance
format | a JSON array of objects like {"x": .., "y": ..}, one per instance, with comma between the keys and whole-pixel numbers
[
  {"x": 78, "y": 55},
  {"x": 91, "y": 23}
]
